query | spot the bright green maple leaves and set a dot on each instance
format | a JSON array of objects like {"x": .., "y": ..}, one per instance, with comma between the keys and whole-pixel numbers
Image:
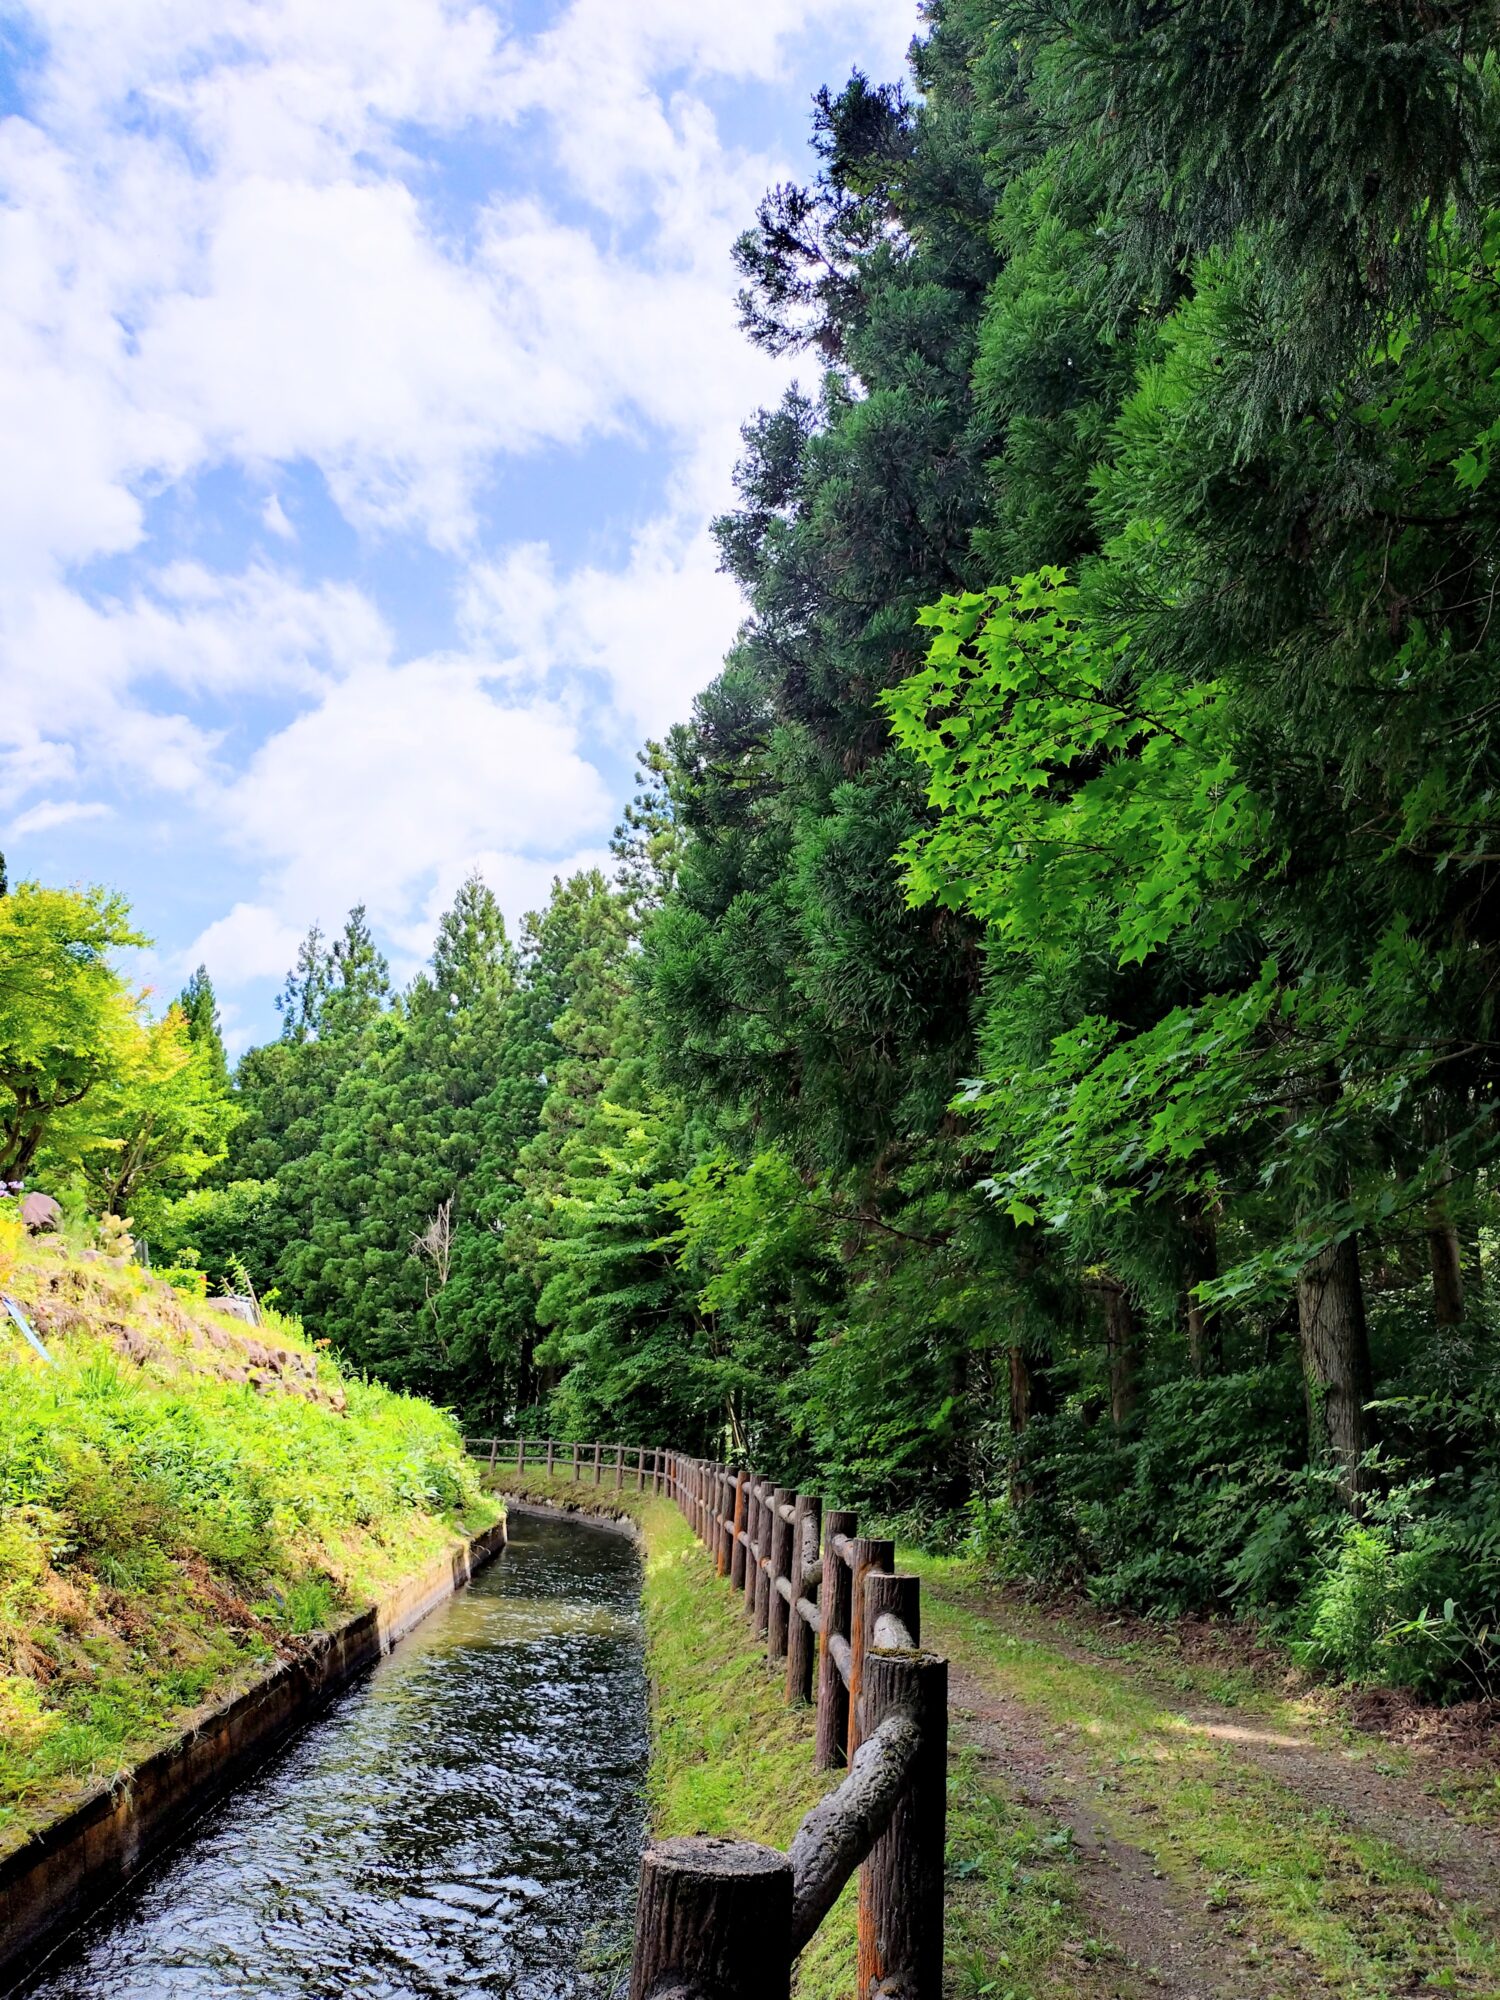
[{"x": 1065, "y": 780}]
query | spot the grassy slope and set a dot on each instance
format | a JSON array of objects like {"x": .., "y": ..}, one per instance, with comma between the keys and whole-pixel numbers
[
  {"x": 181, "y": 1496},
  {"x": 730, "y": 1757}
]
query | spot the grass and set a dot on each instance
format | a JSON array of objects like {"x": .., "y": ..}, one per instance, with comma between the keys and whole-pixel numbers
[
  {"x": 730, "y": 1757},
  {"x": 1287, "y": 1873},
  {"x": 182, "y": 1497}
]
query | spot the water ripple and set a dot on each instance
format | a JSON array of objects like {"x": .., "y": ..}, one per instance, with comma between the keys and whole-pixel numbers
[{"x": 465, "y": 1821}]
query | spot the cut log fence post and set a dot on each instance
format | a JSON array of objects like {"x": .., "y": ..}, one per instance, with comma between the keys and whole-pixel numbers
[
  {"x": 763, "y": 1564},
  {"x": 597, "y": 1449},
  {"x": 575, "y": 1465},
  {"x": 895, "y": 1597},
  {"x": 901, "y": 1882},
  {"x": 736, "y": 1532},
  {"x": 520, "y": 1454},
  {"x": 713, "y": 1920},
  {"x": 619, "y": 1467},
  {"x": 800, "y": 1653},
  {"x": 727, "y": 1499},
  {"x": 836, "y": 1604},
  {"x": 867, "y": 1554},
  {"x": 778, "y": 1596},
  {"x": 494, "y": 1447},
  {"x": 752, "y": 1541},
  {"x": 551, "y": 1447}
]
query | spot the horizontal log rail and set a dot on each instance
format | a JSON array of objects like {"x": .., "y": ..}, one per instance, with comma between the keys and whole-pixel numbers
[{"x": 725, "y": 1919}]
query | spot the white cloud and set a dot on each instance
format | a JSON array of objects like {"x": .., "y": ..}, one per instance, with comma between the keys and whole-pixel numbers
[
  {"x": 84, "y": 681},
  {"x": 274, "y": 517},
  {"x": 50, "y": 813},
  {"x": 252, "y": 942},
  {"x": 231, "y": 240},
  {"x": 656, "y": 629},
  {"x": 405, "y": 773}
]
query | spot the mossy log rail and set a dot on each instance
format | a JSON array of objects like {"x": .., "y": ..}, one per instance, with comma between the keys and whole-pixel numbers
[{"x": 725, "y": 1919}]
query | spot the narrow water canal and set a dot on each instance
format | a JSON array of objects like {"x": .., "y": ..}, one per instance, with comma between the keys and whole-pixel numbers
[{"x": 467, "y": 1820}]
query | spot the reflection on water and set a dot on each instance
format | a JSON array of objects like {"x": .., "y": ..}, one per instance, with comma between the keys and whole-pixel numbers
[{"x": 466, "y": 1820}]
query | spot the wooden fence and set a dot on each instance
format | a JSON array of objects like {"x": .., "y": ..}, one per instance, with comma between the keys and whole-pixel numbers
[{"x": 725, "y": 1919}]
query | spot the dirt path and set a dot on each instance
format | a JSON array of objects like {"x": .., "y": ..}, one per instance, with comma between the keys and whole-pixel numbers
[
  {"x": 1147, "y": 1937},
  {"x": 1220, "y": 1849}
]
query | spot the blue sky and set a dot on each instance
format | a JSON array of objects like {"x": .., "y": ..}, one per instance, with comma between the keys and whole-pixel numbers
[{"x": 369, "y": 377}]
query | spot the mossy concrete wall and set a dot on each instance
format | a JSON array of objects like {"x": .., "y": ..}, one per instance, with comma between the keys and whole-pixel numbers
[{"x": 66, "y": 1869}]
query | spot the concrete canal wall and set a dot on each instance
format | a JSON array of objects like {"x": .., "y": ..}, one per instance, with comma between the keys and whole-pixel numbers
[{"x": 66, "y": 1869}]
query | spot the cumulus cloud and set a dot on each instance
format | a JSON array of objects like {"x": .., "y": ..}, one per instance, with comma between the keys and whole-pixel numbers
[
  {"x": 654, "y": 629},
  {"x": 403, "y": 772},
  {"x": 251, "y": 942},
  {"x": 234, "y": 243},
  {"x": 79, "y": 674}
]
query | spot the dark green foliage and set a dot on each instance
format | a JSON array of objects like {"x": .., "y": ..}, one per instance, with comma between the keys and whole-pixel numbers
[{"x": 200, "y": 1008}]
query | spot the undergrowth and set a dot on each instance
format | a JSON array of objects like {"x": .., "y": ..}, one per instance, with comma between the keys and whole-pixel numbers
[{"x": 182, "y": 1497}]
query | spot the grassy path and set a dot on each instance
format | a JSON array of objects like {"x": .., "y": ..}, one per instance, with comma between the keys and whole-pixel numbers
[
  {"x": 1226, "y": 1842},
  {"x": 1119, "y": 1828}
]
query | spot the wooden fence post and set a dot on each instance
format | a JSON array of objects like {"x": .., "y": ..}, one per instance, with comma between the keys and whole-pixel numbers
[
  {"x": 724, "y": 1497},
  {"x": 520, "y": 1454},
  {"x": 778, "y": 1608},
  {"x": 494, "y": 1447},
  {"x": 894, "y": 1596},
  {"x": 619, "y": 1468},
  {"x": 752, "y": 1539},
  {"x": 736, "y": 1546},
  {"x": 575, "y": 1464},
  {"x": 869, "y": 1553},
  {"x": 763, "y": 1563},
  {"x": 713, "y": 1918},
  {"x": 551, "y": 1447},
  {"x": 901, "y": 1883},
  {"x": 799, "y": 1650},
  {"x": 836, "y": 1600},
  {"x": 596, "y": 1461}
]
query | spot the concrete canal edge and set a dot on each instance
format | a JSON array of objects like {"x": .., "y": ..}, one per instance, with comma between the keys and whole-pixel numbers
[
  {"x": 65, "y": 1870},
  {"x": 592, "y": 1513}
]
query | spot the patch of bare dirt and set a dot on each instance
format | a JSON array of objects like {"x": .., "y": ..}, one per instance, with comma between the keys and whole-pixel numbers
[
  {"x": 1158, "y": 1939},
  {"x": 1344, "y": 1779}
]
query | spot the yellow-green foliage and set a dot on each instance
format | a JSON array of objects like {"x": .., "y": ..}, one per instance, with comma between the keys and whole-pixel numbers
[{"x": 181, "y": 1495}]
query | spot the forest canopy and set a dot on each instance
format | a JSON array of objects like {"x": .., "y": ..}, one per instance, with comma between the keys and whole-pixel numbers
[{"x": 1032, "y": 1068}]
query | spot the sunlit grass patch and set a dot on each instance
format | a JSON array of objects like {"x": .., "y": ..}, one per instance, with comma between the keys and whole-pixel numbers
[
  {"x": 1283, "y": 1871},
  {"x": 181, "y": 1497}
]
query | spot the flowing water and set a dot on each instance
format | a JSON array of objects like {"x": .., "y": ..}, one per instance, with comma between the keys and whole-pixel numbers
[{"x": 465, "y": 1820}]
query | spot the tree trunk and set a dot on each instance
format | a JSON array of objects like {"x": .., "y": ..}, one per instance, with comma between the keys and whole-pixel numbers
[
  {"x": 1020, "y": 1390},
  {"x": 1122, "y": 1340},
  {"x": 1205, "y": 1339},
  {"x": 1447, "y": 1272},
  {"x": 1444, "y": 1251},
  {"x": 1335, "y": 1360}
]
